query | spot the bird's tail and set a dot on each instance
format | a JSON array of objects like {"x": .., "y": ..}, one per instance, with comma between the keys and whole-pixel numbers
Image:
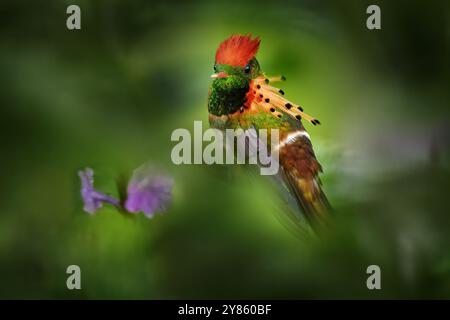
[
  {"x": 300, "y": 171},
  {"x": 310, "y": 198}
]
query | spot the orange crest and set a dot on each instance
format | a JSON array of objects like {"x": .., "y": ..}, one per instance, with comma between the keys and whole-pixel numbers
[{"x": 237, "y": 50}]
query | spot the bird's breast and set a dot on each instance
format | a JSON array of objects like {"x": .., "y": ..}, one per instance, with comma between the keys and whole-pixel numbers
[{"x": 227, "y": 95}]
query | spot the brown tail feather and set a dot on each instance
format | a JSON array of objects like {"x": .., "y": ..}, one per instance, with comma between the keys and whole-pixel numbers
[
  {"x": 310, "y": 198},
  {"x": 300, "y": 171}
]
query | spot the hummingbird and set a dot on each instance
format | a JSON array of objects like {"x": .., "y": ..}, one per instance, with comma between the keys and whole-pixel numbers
[{"x": 242, "y": 96}]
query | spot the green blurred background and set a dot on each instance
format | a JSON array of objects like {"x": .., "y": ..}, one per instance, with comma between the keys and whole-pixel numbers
[{"x": 109, "y": 96}]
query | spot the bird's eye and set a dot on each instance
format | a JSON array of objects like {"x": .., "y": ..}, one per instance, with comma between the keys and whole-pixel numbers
[
  {"x": 247, "y": 68},
  {"x": 215, "y": 68}
]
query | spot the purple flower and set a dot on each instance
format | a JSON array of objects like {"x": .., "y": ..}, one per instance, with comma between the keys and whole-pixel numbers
[
  {"x": 93, "y": 200},
  {"x": 148, "y": 193}
]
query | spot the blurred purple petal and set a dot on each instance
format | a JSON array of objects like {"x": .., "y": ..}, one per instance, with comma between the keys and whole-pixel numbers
[
  {"x": 148, "y": 193},
  {"x": 93, "y": 200}
]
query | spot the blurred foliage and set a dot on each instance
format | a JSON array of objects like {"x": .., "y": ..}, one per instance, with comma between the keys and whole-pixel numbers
[{"x": 109, "y": 96}]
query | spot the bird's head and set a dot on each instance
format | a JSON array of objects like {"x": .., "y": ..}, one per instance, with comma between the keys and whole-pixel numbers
[
  {"x": 240, "y": 84},
  {"x": 235, "y": 58}
]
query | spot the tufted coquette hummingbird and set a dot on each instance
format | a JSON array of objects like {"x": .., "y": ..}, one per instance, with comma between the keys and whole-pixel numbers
[{"x": 242, "y": 96}]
